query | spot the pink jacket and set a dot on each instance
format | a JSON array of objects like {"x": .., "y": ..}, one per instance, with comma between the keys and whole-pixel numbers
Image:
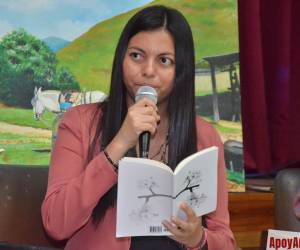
[{"x": 75, "y": 187}]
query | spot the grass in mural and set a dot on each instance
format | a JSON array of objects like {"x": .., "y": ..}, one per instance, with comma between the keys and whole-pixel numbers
[
  {"x": 235, "y": 176},
  {"x": 203, "y": 85},
  {"x": 225, "y": 127},
  {"x": 227, "y": 130},
  {"x": 24, "y": 117},
  {"x": 24, "y": 150}
]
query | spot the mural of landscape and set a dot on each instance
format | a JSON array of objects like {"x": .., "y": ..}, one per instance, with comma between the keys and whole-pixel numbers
[{"x": 70, "y": 60}]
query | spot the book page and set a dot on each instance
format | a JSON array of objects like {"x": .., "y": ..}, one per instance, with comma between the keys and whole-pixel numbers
[
  {"x": 144, "y": 197},
  {"x": 195, "y": 182}
]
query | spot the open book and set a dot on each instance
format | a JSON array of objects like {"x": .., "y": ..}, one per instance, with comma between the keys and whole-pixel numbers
[{"x": 149, "y": 192}]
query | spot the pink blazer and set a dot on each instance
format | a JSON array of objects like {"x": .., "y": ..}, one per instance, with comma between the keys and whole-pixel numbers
[{"x": 74, "y": 188}]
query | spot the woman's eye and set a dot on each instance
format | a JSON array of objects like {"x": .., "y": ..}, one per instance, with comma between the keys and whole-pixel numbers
[
  {"x": 166, "y": 61},
  {"x": 135, "y": 55}
]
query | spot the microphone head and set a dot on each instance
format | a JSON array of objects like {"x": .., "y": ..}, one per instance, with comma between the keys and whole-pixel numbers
[{"x": 148, "y": 92}]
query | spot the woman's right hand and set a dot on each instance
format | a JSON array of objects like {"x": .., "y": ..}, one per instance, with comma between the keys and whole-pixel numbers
[{"x": 142, "y": 116}]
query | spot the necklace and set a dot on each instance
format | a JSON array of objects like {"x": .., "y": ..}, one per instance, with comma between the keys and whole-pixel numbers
[{"x": 162, "y": 151}]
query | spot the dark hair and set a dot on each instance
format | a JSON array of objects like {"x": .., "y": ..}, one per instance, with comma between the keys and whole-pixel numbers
[{"x": 181, "y": 104}]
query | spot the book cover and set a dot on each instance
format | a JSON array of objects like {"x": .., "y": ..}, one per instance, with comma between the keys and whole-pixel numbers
[{"x": 149, "y": 192}]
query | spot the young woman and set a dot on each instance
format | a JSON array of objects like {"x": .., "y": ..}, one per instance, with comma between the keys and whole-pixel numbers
[{"x": 155, "y": 49}]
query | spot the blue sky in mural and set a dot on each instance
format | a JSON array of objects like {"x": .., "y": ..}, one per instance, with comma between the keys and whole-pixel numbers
[{"x": 66, "y": 19}]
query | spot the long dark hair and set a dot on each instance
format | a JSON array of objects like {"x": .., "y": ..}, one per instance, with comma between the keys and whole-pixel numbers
[{"x": 181, "y": 104}]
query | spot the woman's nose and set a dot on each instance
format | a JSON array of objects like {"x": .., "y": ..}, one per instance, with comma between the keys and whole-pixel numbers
[{"x": 149, "y": 68}]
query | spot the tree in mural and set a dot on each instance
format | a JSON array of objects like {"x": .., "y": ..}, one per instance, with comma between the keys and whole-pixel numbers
[
  {"x": 33, "y": 64},
  {"x": 65, "y": 80},
  {"x": 5, "y": 74}
]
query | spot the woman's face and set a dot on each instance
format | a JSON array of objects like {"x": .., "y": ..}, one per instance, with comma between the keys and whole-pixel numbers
[{"x": 150, "y": 60}]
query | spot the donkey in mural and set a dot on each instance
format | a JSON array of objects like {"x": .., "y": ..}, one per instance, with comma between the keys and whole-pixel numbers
[{"x": 57, "y": 102}]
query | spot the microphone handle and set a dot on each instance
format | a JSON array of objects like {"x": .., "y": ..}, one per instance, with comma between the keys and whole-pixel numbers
[{"x": 144, "y": 141}]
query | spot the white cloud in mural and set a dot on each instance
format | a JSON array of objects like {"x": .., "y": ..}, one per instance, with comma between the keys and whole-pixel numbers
[
  {"x": 5, "y": 27},
  {"x": 34, "y": 6},
  {"x": 95, "y": 6},
  {"x": 69, "y": 29},
  {"x": 66, "y": 19}
]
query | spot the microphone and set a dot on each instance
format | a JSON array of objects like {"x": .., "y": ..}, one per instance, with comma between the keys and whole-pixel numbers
[{"x": 144, "y": 138}]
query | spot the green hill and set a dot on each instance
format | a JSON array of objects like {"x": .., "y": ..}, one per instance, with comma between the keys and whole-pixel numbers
[{"x": 89, "y": 57}]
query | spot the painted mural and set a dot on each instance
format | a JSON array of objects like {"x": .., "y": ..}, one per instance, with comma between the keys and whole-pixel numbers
[{"x": 58, "y": 54}]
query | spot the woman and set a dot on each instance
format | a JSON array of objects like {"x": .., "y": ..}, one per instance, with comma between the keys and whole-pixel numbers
[{"x": 155, "y": 49}]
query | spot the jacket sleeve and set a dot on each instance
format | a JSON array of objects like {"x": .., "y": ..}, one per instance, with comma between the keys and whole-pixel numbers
[
  {"x": 74, "y": 187},
  {"x": 218, "y": 232}
]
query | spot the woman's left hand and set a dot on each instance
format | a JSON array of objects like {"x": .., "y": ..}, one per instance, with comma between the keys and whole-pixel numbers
[{"x": 188, "y": 232}]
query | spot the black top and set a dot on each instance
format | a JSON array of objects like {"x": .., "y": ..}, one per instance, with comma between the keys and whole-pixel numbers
[{"x": 154, "y": 243}]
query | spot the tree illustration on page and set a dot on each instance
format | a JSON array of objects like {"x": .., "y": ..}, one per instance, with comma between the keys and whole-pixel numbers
[
  {"x": 191, "y": 184},
  {"x": 145, "y": 212}
]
